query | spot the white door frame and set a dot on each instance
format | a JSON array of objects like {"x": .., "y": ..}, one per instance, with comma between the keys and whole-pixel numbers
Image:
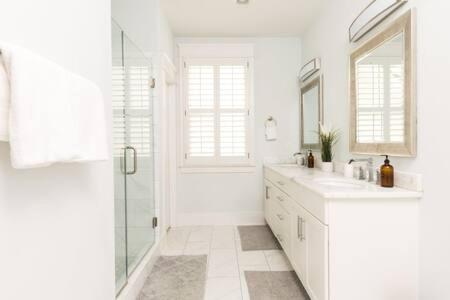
[{"x": 167, "y": 142}]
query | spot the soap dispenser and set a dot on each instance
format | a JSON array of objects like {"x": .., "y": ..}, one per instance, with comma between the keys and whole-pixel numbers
[
  {"x": 387, "y": 174},
  {"x": 310, "y": 160}
]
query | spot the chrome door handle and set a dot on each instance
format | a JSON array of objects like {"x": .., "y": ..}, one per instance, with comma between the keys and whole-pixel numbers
[
  {"x": 267, "y": 192},
  {"x": 134, "y": 160},
  {"x": 298, "y": 227}
]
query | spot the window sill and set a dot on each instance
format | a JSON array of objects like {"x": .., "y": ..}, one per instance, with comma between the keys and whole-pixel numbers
[{"x": 219, "y": 169}]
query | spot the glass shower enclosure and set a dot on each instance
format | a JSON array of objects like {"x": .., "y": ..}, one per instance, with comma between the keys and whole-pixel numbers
[{"x": 132, "y": 98}]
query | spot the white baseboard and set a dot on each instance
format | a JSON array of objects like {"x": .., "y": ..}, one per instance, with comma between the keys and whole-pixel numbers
[
  {"x": 137, "y": 279},
  {"x": 202, "y": 219}
]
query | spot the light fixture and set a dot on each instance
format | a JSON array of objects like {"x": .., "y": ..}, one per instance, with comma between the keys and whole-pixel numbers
[{"x": 242, "y": 1}]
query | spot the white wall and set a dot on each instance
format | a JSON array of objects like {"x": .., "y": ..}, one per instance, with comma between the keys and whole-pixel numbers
[
  {"x": 328, "y": 38},
  {"x": 146, "y": 25},
  {"x": 220, "y": 196},
  {"x": 56, "y": 223}
]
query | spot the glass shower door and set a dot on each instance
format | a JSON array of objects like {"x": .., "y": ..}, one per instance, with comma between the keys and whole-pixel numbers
[
  {"x": 133, "y": 155},
  {"x": 138, "y": 154}
]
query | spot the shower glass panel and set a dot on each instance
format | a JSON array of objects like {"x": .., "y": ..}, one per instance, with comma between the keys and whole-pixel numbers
[
  {"x": 118, "y": 99},
  {"x": 139, "y": 154},
  {"x": 133, "y": 154}
]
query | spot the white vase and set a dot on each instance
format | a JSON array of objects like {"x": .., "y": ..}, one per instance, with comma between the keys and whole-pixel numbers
[{"x": 327, "y": 167}]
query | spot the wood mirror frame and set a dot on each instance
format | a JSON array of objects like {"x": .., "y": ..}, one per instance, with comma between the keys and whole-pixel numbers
[{"x": 405, "y": 25}]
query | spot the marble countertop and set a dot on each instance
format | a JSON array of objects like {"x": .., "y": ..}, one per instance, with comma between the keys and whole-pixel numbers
[{"x": 336, "y": 186}]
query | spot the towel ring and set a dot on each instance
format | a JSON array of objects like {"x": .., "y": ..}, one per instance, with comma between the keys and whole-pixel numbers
[{"x": 270, "y": 119}]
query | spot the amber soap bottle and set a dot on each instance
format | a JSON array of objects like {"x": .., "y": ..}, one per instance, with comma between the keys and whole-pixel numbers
[
  {"x": 310, "y": 160},
  {"x": 387, "y": 174}
]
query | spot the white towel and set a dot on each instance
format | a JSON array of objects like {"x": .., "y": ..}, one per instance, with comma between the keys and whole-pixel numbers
[
  {"x": 54, "y": 115},
  {"x": 4, "y": 103},
  {"x": 271, "y": 130}
]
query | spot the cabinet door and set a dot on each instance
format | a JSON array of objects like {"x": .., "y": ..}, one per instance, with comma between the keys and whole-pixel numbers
[
  {"x": 298, "y": 243},
  {"x": 316, "y": 241}
]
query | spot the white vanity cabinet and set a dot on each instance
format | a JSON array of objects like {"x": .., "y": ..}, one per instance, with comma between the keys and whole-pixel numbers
[
  {"x": 309, "y": 252},
  {"x": 345, "y": 244},
  {"x": 278, "y": 215}
]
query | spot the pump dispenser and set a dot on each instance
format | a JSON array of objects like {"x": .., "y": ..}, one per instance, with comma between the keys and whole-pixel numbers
[
  {"x": 387, "y": 174},
  {"x": 310, "y": 160}
]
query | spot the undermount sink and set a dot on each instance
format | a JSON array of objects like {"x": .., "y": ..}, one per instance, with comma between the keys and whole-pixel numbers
[{"x": 339, "y": 183}]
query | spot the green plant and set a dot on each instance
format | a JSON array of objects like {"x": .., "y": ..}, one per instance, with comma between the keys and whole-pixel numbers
[{"x": 328, "y": 138}]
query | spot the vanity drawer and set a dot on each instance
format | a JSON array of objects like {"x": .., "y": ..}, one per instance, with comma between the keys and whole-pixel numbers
[
  {"x": 283, "y": 183},
  {"x": 280, "y": 219}
]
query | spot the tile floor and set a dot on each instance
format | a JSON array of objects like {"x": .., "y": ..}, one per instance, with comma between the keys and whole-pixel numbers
[{"x": 226, "y": 260}]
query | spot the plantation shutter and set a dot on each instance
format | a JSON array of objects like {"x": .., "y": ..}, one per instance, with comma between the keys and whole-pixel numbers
[
  {"x": 132, "y": 111},
  {"x": 216, "y": 111},
  {"x": 380, "y": 107}
]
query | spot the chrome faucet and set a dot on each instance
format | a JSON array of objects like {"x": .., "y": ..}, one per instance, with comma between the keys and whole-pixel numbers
[{"x": 368, "y": 175}]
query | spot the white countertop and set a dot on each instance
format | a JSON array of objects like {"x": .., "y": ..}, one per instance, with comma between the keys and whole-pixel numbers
[{"x": 310, "y": 179}]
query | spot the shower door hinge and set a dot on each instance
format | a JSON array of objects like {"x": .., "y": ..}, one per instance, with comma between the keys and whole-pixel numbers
[
  {"x": 155, "y": 222},
  {"x": 152, "y": 83}
]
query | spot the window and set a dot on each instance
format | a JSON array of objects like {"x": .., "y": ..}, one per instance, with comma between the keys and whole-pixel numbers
[
  {"x": 217, "y": 112},
  {"x": 131, "y": 100}
]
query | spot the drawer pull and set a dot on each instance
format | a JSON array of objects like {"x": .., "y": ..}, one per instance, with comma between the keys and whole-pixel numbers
[
  {"x": 280, "y": 198},
  {"x": 280, "y": 182},
  {"x": 300, "y": 222},
  {"x": 280, "y": 217}
]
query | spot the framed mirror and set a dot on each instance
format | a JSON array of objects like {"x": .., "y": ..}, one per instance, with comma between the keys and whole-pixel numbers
[
  {"x": 382, "y": 86},
  {"x": 310, "y": 114}
]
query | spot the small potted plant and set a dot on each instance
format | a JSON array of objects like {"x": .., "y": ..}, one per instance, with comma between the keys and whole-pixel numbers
[{"x": 328, "y": 138}]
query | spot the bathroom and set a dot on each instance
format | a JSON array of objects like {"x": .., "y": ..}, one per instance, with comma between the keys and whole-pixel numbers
[{"x": 104, "y": 228}]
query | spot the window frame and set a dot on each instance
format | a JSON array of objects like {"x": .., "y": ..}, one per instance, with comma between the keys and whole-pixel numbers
[{"x": 216, "y": 55}]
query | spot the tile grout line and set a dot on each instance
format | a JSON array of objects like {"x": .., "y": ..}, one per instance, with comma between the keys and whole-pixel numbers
[
  {"x": 235, "y": 231},
  {"x": 208, "y": 256},
  {"x": 267, "y": 261}
]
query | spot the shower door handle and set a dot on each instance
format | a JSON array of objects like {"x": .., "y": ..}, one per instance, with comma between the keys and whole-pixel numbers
[{"x": 134, "y": 160}]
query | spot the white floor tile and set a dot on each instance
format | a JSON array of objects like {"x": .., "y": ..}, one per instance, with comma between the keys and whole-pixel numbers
[
  {"x": 223, "y": 240},
  {"x": 201, "y": 234},
  {"x": 197, "y": 248},
  {"x": 227, "y": 288},
  {"x": 277, "y": 260},
  {"x": 251, "y": 258},
  {"x": 223, "y": 263}
]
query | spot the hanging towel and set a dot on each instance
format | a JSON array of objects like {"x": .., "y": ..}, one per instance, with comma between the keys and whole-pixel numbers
[
  {"x": 4, "y": 104},
  {"x": 271, "y": 129},
  {"x": 54, "y": 115}
]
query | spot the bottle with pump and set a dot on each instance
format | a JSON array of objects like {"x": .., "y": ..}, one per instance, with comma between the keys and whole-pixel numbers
[
  {"x": 387, "y": 174},
  {"x": 310, "y": 160}
]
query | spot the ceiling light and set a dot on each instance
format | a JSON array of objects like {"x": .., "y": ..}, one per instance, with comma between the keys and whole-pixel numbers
[{"x": 242, "y": 1}]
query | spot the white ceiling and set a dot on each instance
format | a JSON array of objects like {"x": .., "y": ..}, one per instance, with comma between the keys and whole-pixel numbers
[{"x": 225, "y": 18}]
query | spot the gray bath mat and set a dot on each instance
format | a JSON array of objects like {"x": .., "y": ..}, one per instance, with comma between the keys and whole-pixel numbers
[
  {"x": 275, "y": 286},
  {"x": 176, "y": 278},
  {"x": 257, "y": 238}
]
